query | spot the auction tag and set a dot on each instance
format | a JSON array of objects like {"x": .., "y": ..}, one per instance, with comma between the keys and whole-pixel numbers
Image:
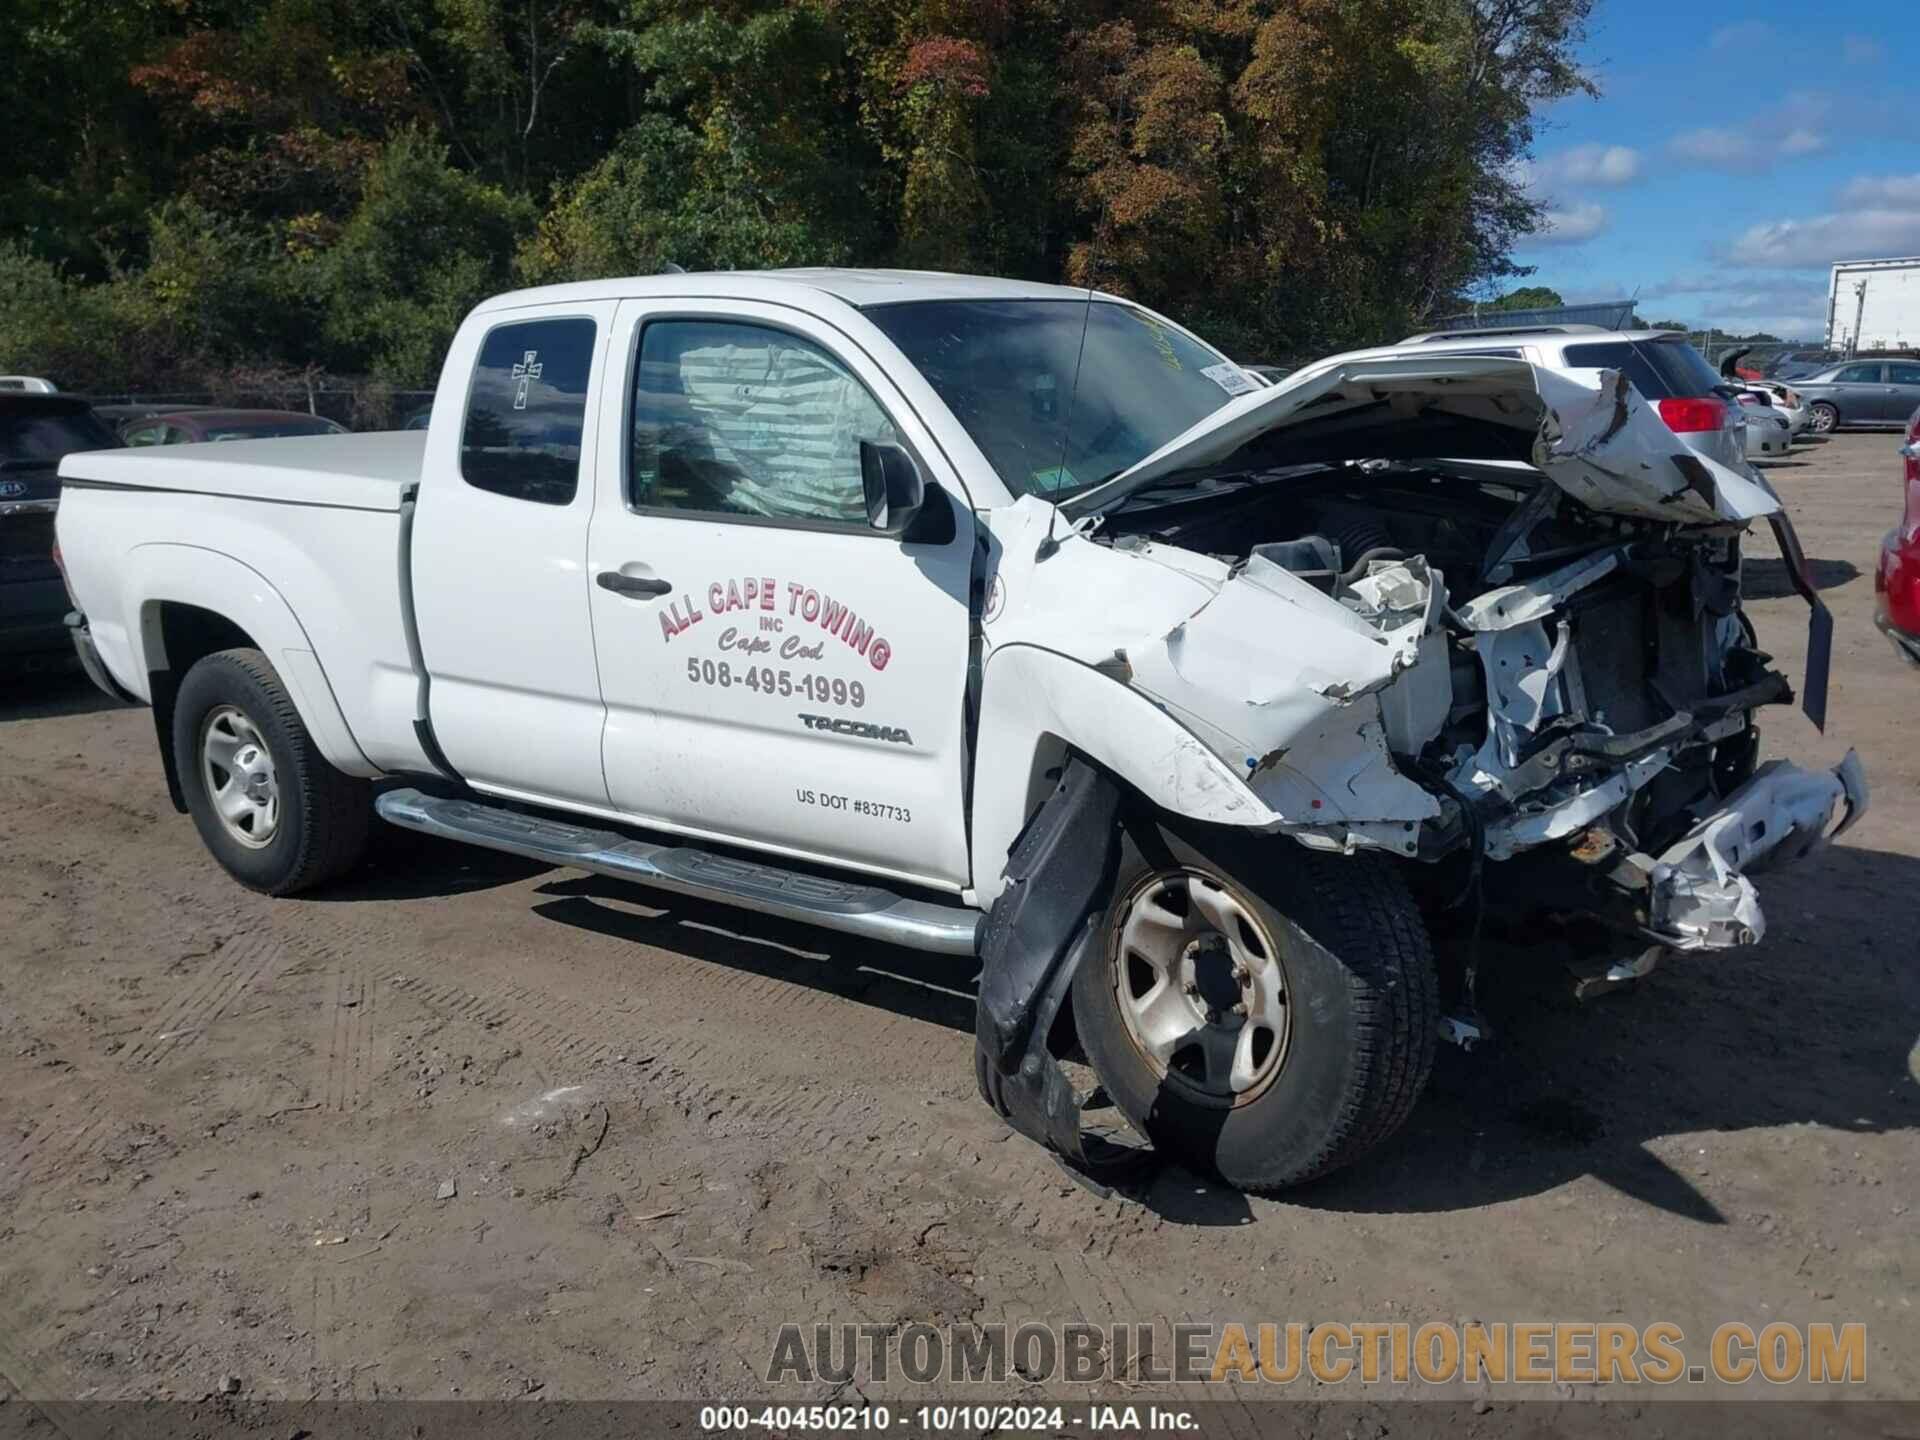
[{"x": 1230, "y": 378}]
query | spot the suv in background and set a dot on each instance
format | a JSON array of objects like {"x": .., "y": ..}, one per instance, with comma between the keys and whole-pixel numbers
[
  {"x": 1664, "y": 367},
  {"x": 36, "y": 430}
]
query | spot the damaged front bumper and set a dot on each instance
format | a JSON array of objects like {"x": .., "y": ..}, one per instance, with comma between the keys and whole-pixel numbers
[{"x": 1698, "y": 896}]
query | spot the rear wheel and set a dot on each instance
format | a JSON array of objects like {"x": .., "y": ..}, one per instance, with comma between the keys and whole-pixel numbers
[
  {"x": 265, "y": 800},
  {"x": 1826, "y": 419},
  {"x": 1263, "y": 1011}
]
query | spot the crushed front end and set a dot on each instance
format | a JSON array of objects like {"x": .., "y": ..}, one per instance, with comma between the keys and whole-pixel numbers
[{"x": 1529, "y": 668}]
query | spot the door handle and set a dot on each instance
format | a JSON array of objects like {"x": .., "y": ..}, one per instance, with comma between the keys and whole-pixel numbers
[{"x": 630, "y": 584}]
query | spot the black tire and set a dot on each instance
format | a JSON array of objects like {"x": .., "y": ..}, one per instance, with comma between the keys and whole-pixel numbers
[
  {"x": 323, "y": 816},
  {"x": 1363, "y": 1010},
  {"x": 1826, "y": 418}
]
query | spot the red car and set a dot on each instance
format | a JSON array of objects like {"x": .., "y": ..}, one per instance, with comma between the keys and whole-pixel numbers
[
  {"x": 196, "y": 425},
  {"x": 1897, "y": 584}
]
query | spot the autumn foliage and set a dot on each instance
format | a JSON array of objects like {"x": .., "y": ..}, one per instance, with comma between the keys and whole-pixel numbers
[{"x": 330, "y": 183}]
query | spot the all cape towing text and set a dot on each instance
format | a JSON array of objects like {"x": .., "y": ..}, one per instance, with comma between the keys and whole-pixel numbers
[{"x": 803, "y": 603}]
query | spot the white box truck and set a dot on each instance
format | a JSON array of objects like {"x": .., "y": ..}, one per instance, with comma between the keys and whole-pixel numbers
[{"x": 1874, "y": 305}]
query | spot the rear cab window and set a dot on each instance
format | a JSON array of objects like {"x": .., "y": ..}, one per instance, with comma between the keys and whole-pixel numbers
[{"x": 527, "y": 409}]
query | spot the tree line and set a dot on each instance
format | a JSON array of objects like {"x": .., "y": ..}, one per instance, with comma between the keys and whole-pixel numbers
[{"x": 204, "y": 189}]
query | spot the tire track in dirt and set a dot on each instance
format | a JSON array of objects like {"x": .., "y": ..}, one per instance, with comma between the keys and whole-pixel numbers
[
  {"x": 849, "y": 1126},
  {"x": 237, "y": 966},
  {"x": 352, "y": 1048}
]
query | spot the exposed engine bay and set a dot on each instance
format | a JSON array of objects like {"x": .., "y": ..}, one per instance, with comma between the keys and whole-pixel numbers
[
  {"x": 1574, "y": 690},
  {"x": 1590, "y": 641}
]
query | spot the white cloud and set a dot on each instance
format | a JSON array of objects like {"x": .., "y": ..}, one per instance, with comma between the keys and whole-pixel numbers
[
  {"x": 1595, "y": 165},
  {"x": 1820, "y": 240},
  {"x": 1570, "y": 225},
  {"x": 1744, "y": 151},
  {"x": 1890, "y": 192}
]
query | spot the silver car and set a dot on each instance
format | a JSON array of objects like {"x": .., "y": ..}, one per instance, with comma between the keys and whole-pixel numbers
[
  {"x": 1669, "y": 373},
  {"x": 1873, "y": 394}
]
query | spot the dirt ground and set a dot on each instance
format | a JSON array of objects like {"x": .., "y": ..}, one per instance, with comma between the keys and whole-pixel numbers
[{"x": 468, "y": 1127}]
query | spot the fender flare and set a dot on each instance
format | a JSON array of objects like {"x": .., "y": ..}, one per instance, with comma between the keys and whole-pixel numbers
[
  {"x": 1034, "y": 702},
  {"x": 167, "y": 572}
]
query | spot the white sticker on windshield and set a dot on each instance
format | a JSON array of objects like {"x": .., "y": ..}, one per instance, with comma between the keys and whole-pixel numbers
[{"x": 1230, "y": 378}]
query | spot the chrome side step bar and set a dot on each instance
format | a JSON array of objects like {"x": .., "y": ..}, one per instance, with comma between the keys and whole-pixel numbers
[{"x": 851, "y": 907}]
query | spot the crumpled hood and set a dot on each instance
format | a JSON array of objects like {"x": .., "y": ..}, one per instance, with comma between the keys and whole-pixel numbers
[{"x": 1588, "y": 431}]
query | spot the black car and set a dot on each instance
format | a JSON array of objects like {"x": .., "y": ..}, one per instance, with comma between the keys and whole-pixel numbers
[{"x": 36, "y": 431}]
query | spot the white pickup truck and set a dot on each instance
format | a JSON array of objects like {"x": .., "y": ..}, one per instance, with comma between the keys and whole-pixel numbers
[{"x": 1219, "y": 719}]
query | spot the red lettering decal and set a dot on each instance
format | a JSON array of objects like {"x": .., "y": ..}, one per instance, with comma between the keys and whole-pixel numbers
[
  {"x": 669, "y": 627},
  {"x": 766, "y": 592},
  {"x": 832, "y": 614},
  {"x": 794, "y": 592},
  {"x": 880, "y": 654},
  {"x": 716, "y": 598},
  {"x": 810, "y": 605},
  {"x": 859, "y": 635}
]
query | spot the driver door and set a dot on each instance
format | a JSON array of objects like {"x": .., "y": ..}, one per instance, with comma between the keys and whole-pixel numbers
[{"x": 776, "y": 673}]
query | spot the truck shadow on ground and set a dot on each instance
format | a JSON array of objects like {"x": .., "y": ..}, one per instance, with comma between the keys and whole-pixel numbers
[
  {"x": 50, "y": 692},
  {"x": 1763, "y": 579},
  {"x": 1815, "y": 1027}
]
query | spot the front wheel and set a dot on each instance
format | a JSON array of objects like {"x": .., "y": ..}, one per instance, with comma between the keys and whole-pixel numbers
[
  {"x": 1261, "y": 1010},
  {"x": 265, "y": 800},
  {"x": 1826, "y": 419}
]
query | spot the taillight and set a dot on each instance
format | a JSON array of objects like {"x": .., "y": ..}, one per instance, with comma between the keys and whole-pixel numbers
[{"x": 1694, "y": 413}]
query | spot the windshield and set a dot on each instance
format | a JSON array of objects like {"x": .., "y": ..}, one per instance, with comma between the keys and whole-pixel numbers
[{"x": 1006, "y": 369}]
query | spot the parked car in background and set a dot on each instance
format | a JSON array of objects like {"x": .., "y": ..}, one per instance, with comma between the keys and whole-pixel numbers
[
  {"x": 1788, "y": 402},
  {"x": 1739, "y": 371},
  {"x": 27, "y": 385},
  {"x": 1664, "y": 367},
  {"x": 1768, "y": 435},
  {"x": 195, "y": 425},
  {"x": 1897, "y": 582},
  {"x": 1867, "y": 393},
  {"x": 419, "y": 419},
  {"x": 37, "y": 429}
]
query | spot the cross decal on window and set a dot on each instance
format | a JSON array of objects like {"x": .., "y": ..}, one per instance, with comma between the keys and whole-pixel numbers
[{"x": 527, "y": 371}]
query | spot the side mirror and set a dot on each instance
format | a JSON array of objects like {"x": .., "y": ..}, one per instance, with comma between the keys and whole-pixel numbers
[{"x": 895, "y": 491}]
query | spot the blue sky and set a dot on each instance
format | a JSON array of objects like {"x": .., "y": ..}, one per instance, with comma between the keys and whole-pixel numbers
[{"x": 1735, "y": 152}]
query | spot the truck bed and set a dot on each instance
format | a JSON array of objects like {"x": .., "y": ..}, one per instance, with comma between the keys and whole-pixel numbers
[
  {"x": 298, "y": 541},
  {"x": 355, "y": 472}
]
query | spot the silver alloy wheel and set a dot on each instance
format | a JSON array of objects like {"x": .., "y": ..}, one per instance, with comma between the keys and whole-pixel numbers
[
  {"x": 1202, "y": 989},
  {"x": 237, "y": 768},
  {"x": 1825, "y": 419}
]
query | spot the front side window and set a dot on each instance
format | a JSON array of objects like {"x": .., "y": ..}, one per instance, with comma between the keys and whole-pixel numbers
[
  {"x": 527, "y": 410},
  {"x": 733, "y": 418},
  {"x": 1859, "y": 375},
  {"x": 1061, "y": 395}
]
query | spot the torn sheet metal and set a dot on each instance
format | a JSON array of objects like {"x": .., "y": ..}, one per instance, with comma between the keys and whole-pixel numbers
[
  {"x": 1592, "y": 434},
  {"x": 1281, "y": 679},
  {"x": 1604, "y": 445},
  {"x": 1701, "y": 897}
]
